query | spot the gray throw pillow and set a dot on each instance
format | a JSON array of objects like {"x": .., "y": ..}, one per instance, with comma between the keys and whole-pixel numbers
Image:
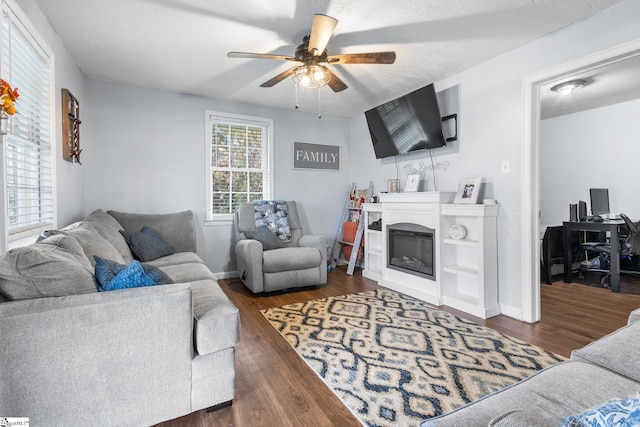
[
  {"x": 55, "y": 266},
  {"x": 265, "y": 236},
  {"x": 147, "y": 244}
]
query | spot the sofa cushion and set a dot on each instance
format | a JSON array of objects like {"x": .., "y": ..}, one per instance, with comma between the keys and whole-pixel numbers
[
  {"x": 616, "y": 412},
  {"x": 517, "y": 419},
  {"x": 109, "y": 228},
  {"x": 110, "y": 276},
  {"x": 147, "y": 244},
  {"x": 175, "y": 259},
  {"x": 216, "y": 318},
  {"x": 290, "y": 259},
  {"x": 55, "y": 266},
  {"x": 93, "y": 244},
  {"x": 182, "y": 273},
  {"x": 265, "y": 236},
  {"x": 552, "y": 394},
  {"x": 177, "y": 229},
  {"x": 612, "y": 352}
]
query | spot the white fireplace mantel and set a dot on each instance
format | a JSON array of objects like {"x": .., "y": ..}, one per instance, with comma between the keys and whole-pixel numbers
[{"x": 465, "y": 270}]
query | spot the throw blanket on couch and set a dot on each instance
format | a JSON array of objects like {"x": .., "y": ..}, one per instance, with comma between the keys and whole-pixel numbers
[{"x": 274, "y": 215}]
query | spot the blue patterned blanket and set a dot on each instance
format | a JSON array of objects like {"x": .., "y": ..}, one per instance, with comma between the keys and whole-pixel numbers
[{"x": 274, "y": 215}]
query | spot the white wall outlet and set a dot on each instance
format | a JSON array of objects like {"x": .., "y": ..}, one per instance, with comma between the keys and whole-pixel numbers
[{"x": 505, "y": 166}]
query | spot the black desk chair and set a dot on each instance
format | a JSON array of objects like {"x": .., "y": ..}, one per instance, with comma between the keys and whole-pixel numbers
[{"x": 603, "y": 250}]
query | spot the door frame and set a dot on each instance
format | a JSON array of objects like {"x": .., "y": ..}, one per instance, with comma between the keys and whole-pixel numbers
[{"x": 530, "y": 178}]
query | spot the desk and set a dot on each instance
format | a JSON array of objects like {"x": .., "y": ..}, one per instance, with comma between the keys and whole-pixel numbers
[{"x": 607, "y": 225}]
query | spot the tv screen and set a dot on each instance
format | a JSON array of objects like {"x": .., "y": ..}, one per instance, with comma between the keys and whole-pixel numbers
[{"x": 406, "y": 124}]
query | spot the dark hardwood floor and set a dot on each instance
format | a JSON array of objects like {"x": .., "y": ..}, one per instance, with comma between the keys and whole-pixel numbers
[{"x": 274, "y": 387}]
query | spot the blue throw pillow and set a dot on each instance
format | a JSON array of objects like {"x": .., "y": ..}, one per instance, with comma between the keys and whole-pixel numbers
[
  {"x": 112, "y": 275},
  {"x": 147, "y": 244},
  {"x": 106, "y": 270},
  {"x": 615, "y": 413}
]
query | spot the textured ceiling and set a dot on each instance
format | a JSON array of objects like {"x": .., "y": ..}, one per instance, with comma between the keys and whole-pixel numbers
[{"x": 181, "y": 45}]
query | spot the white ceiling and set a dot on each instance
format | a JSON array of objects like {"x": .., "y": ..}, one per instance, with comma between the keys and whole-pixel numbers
[{"x": 181, "y": 45}]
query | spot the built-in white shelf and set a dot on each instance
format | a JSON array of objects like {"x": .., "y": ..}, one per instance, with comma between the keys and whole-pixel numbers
[
  {"x": 470, "y": 281},
  {"x": 373, "y": 250}
]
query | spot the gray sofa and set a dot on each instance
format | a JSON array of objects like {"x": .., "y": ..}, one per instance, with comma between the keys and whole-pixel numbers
[
  {"x": 302, "y": 261},
  {"x": 600, "y": 372},
  {"x": 73, "y": 356}
]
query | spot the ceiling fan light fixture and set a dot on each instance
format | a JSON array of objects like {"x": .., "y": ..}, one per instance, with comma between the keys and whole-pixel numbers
[
  {"x": 311, "y": 76},
  {"x": 568, "y": 87}
]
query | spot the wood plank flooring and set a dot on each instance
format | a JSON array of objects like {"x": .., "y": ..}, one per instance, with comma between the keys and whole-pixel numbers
[{"x": 274, "y": 387}]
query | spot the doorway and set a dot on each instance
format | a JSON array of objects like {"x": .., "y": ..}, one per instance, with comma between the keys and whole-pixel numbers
[{"x": 530, "y": 180}]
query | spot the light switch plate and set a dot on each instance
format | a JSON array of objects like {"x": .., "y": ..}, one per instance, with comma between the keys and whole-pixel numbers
[{"x": 505, "y": 167}]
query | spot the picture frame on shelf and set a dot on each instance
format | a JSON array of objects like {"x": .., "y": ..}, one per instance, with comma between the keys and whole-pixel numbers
[
  {"x": 393, "y": 185},
  {"x": 468, "y": 190},
  {"x": 413, "y": 181}
]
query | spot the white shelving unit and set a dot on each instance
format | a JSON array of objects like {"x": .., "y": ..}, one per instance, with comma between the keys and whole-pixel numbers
[
  {"x": 373, "y": 253},
  {"x": 470, "y": 265}
]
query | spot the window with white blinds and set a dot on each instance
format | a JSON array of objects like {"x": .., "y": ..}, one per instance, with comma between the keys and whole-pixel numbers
[
  {"x": 28, "y": 179},
  {"x": 239, "y": 153}
]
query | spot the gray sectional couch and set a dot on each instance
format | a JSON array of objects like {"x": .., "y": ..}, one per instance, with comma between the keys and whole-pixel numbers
[
  {"x": 601, "y": 372},
  {"x": 73, "y": 356}
]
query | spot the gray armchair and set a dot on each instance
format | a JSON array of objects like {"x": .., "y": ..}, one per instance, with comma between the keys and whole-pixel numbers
[{"x": 300, "y": 262}]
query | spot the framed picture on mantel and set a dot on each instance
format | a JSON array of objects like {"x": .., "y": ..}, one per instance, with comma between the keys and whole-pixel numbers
[{"x": 468, "y": 190}]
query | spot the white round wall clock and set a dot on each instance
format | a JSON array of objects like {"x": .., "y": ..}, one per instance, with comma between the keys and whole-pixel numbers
[{"x": 457, "y": 232}]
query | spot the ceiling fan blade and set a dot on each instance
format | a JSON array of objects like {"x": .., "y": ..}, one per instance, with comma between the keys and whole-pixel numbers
[
  {"x": 363, "y": 58},
  {"x": 280, "y": 77},
  {"x": 335, "y": 83},
  {"x": 260, "y": 56},
  {"x": 321, "y": 31}
]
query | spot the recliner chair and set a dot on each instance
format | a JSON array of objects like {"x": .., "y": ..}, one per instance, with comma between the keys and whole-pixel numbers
[{"x": 300, "y": 262}]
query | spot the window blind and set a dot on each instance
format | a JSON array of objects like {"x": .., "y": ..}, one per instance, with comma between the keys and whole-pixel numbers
[
  {"x": 240, "y": 162},
  {"x": 28, "y": 156}
]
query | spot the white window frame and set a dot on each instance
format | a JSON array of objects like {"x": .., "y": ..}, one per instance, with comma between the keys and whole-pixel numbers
[
  {"x": 18, "y": 239},
  {"x": 211, "y": 116}
]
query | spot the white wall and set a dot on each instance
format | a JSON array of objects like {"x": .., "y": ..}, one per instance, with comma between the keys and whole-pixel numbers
[
  {"x": 491, "y": 128},
  {"x": 148, "y": 155},
  {"x": 590, "y": 149},
  {"x": 70, "y": 178}
]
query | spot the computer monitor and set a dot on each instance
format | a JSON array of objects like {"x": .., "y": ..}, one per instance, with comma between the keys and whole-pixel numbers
[{"x": 599, "y": 201}]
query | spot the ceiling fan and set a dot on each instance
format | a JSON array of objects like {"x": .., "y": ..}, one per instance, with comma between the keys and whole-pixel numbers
[{"x": 312, "y": 54}]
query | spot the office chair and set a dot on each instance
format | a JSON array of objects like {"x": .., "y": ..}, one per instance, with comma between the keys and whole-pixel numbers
[{"x": 603, "y": 249}]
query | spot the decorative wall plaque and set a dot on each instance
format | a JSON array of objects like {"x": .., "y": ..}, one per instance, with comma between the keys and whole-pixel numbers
[{"x": 70, "y": 127}]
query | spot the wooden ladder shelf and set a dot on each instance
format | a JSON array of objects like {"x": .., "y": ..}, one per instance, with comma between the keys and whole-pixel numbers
[{"x": 352, "y": 213}]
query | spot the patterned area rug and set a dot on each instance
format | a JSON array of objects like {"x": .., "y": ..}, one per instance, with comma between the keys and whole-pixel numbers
[{"x": 396, "y": 361}]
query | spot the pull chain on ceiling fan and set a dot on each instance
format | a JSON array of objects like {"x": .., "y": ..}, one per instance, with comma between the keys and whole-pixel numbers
[{"x": 313, "y": 55}]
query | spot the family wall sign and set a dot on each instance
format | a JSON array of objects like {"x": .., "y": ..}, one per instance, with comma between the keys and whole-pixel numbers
[{"x": 316, "y": 156}]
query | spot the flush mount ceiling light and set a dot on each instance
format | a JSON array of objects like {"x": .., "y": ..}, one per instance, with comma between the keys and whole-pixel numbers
[{"x": 567, "y": 88}]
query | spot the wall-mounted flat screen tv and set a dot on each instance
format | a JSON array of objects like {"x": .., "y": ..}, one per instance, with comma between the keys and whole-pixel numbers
[{"x": 406, "y": 124}]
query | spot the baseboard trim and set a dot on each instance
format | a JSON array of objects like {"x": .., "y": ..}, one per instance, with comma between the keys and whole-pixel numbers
[
  {"x": 509, "y": 311},
  {"x": 226, "y": 275}
]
